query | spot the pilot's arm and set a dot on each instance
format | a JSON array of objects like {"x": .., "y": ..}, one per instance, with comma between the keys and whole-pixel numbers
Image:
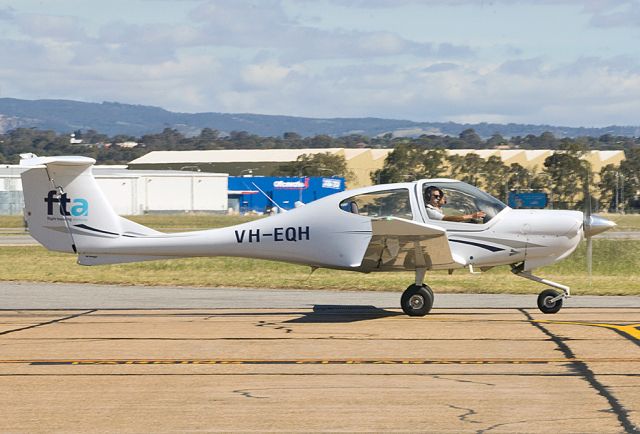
[{"x": 464, "y": 218}]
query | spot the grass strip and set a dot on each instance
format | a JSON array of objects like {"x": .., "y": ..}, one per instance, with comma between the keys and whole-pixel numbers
[
  {"x": 615, "y": 272},
  {"x": 190, "y": 221}
]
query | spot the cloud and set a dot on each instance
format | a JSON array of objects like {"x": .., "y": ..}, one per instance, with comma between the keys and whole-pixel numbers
[
  {"x": 441, "y": 67},
  {"x": 525, "y": 67},
  {"x": 7, "y": 13},
  {"x": 266, "y": 25},
  {"x": 234, "y": 56},
  {"x": 265, "y": 75},
  {"x": 603, "y": 13},
  {"x": 61, "y": 28},
  {"x": 625, "y": 16}
]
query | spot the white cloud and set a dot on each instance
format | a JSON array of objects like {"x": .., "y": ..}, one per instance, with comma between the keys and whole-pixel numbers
[
  {"x": 241, "y": 56},
  {"x": 627, "y": 15},
  {"x": 63, "y": 28},
  {"x": 265, "y": 75}
]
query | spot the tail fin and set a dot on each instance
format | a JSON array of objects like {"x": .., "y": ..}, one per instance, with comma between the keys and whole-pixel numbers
[{"x": 65, "y": 209}]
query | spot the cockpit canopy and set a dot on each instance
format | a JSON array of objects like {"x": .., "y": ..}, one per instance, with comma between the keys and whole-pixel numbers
[
  {"x": 399, "y": 200},
  {"x": 463, "y": 198}
]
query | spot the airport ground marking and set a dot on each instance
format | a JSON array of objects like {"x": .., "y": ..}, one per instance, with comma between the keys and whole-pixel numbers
[
  {"x": 354, "y": 361},
  {"x": 630, "y": 330}
]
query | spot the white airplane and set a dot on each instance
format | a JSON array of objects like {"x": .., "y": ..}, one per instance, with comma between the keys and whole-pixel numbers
[{"x": 378, "y": 228}]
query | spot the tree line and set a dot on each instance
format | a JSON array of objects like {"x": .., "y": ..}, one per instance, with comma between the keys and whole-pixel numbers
[
  {"x": 565, "y": 176},
  {"x": 105, "y": 150}
]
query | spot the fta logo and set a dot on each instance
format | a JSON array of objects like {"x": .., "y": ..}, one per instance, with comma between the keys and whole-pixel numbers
[{"x": 72, "y": 207}]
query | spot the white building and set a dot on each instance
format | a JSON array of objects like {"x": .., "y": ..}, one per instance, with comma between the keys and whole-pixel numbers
[{"x": 134, "y": 192}]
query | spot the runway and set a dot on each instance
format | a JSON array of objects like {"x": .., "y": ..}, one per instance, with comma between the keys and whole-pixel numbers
[{"x": 313, "y": 365}]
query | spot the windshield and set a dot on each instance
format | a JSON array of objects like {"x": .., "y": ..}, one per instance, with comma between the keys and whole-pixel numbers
[{"x": 462, "y": 198}]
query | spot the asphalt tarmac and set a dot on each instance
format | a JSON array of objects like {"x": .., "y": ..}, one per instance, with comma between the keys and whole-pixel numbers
[{"x": 89, "y": 358}]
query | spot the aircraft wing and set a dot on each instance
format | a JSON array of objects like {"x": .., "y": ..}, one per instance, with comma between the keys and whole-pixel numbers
[{"x": 398, "y": 244}]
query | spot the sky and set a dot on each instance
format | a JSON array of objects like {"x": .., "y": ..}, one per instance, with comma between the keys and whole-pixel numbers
[{"x": 556, "y": 62}]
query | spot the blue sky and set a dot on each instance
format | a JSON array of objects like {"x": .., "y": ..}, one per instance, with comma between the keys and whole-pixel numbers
[{"x": 558, "y": 62}]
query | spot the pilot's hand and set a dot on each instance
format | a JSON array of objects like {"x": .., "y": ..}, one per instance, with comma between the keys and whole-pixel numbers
[
  {"x": 479, "y": 214},
  {"x": 478, "y": 217}
]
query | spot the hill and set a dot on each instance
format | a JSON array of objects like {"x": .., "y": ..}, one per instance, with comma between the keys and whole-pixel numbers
[{"x": 65, "y": 116}]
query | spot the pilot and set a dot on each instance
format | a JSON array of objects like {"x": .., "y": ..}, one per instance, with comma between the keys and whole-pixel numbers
[{"x": 435, "y": 199}]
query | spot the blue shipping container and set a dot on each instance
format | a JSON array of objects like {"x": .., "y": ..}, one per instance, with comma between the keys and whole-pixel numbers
[
  {"x": 257, "y": 193},
  {"x": 530, "y": 199}
]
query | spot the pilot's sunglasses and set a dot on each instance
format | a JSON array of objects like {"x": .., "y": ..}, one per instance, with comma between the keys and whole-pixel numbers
[{"x": 436, "y": 197}]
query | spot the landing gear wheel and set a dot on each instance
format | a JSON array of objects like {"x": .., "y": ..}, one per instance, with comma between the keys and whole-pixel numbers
[
  {"x": 417, "y": 300},
  {"x": 545, "y": 303}
]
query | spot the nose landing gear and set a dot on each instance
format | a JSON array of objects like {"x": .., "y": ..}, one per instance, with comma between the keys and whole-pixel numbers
[{"x": 549, "y": 300}]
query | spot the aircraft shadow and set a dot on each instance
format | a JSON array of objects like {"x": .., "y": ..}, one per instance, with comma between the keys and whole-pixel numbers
[{"x": 329, "y": 313}]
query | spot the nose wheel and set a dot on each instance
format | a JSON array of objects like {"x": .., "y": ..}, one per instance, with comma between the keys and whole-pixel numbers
[
  {"x": 417, "y": 300},
  {"x": 550, "y": 301}
]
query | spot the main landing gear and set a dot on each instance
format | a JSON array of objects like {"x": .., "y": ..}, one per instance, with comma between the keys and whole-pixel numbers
[
  {"x": 417, "y": 299},
  {"x": 549, "y": 300}
]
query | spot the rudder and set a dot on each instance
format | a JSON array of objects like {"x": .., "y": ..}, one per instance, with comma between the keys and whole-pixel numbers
[{"x": 65, "y": 209}]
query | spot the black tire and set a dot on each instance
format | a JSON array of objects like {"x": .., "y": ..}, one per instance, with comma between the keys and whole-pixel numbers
[
  {"x": 417, "y": 300},
  {"x": 544, "y": 303}
]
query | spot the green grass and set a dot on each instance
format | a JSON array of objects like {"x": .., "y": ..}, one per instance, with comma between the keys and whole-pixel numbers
[
  {"x": 624, "y": 222},
  {"x": 193, "y": 221},
  {"x": 615, "y": 272},
  {"x": 161, "y": 222},
  {"x": 172, "y": 222},
  {"x": 11, "y": 221}
]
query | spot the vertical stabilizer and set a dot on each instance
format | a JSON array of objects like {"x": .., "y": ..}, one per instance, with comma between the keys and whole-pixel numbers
[{"x": 64, "y": 207}]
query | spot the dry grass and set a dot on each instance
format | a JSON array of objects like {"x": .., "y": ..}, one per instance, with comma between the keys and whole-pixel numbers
[
  {"x": 624, "y": 222},
  {"x": 616, "y": 265},
  {"x": 188, "y": 221}
]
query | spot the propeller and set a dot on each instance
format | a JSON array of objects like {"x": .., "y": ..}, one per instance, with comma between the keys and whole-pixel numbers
[
  {"x": 592, "y": 225},
  {"x": 587, "y": 231}
]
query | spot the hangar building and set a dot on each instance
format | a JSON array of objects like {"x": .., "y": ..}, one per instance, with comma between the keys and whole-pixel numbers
[
  {"x": 133, "y": 192},
  {"x": 264, "y": 162},
  {"x": 362, "y": 161}
]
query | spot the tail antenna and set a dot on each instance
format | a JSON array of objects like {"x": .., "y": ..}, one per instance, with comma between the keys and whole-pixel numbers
[{"x": 268, "y": 198}]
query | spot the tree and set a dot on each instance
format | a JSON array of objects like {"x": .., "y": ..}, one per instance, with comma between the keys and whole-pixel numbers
[
  {"x": 468, "y": 168},
  {"x": 496, "y": 177},
  {"x": 496, "y": 140},
  {"x": 410, "y": 162},
  {"x": 471, "y": 138},
  {"x": 291, "y": 136},
  {"x": 320, "y": 164},
  {"x": 609, "y": 186},
  {"x": 630, "y": 170},
  {"x": 521, "y": 178},
  {"x": 321, "y": 141},
  {"x": 568, "y": 176},
  {"x": 547, "y": 141},
  {"x": 209, "y": 134}
]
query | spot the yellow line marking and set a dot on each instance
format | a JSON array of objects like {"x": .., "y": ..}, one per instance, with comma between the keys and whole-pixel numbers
[
  {"x": 632, "y": 330},
  {"x": 355, "y": 361}
]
